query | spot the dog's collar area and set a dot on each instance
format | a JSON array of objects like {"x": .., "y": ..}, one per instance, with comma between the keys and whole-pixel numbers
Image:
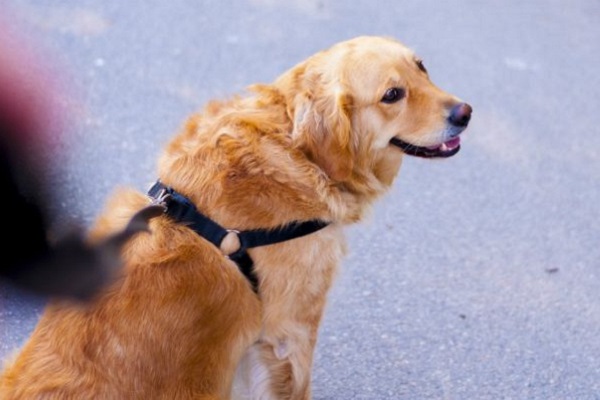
[{"x": 233, "y": 244}]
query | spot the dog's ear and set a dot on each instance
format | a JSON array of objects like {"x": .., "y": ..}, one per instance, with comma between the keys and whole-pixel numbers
[{"x": 323, "y": 130}]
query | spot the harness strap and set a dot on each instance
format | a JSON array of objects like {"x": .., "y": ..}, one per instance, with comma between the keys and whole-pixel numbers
[{"x": 182, "y": 210}]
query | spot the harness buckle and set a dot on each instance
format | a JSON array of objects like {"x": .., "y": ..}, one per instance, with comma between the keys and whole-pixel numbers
[
  {"x": 161, "y": 199},
  {"x": 231, "y": 243}
]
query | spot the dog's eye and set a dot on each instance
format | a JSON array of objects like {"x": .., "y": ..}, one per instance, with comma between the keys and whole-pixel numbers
[
  {"x": 421, "y": 66},
  {"x": 393, "y": 95}
]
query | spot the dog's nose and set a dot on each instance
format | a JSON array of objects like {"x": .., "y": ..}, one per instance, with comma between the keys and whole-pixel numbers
[{"x": 460, "y": 115}]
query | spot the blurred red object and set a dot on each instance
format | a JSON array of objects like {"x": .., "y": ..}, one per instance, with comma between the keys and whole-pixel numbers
[{"x": 31, "y": 122}]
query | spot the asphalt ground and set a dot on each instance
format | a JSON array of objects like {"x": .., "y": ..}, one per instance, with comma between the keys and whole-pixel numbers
[{"x": 476, "y": 277}]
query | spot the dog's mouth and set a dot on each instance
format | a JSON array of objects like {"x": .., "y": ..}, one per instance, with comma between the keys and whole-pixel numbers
[{"x": 443, "y": 150}]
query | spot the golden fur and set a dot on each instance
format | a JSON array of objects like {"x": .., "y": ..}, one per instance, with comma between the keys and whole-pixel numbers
[{"x": 182, "y": 319}]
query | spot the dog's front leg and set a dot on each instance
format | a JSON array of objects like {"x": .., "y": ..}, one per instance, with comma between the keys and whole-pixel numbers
[
  {"x": 295, "y": 281},
  {"x": 277, "y": 368},
  {"x": 289, "y": 361},
  {"x": 279, "y": 365}
]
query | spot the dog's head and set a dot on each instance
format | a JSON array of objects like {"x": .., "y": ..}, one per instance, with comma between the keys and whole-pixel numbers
[{"x": 360, "y": 105}]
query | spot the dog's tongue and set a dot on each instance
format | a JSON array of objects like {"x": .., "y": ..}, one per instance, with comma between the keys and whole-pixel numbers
[{"x": 447, "y": 146}]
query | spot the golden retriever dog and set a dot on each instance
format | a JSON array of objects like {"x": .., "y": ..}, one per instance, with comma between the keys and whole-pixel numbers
[{"x": 321, "y": 143}]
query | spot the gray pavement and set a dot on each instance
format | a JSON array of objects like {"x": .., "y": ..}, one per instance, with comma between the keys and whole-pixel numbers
[{"x": 477, "y": 277}]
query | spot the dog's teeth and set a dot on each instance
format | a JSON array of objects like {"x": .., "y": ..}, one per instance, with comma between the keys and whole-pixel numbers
[{"x": 443, "y": 147}]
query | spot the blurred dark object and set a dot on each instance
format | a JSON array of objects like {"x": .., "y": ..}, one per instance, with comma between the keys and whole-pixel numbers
[
  {"x": 30, "y": 122},
  {"x": 73, "y": 268}
]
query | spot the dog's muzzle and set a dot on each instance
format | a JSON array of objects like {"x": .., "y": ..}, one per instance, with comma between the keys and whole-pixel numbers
[{"x": 458, "y": 120}]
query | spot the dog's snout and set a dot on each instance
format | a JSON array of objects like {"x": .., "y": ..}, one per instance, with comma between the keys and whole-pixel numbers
[{"x": 460, "y": 115}]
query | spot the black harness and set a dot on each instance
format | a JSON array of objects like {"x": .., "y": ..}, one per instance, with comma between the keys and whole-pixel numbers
[{"x": 182, "y": 210}]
